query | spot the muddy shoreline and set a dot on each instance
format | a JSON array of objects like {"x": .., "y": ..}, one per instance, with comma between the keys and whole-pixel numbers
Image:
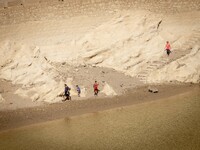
[{"x": 10, "y": 119}]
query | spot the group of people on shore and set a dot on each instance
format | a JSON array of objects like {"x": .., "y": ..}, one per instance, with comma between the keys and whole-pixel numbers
[
  {"x": 96, "y": 85},
  {"x": 78, "y": 89}
]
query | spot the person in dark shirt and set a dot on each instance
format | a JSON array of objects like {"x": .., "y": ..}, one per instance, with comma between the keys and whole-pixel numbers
[
  {"x": 67, "y": 92},
  {"x": 78, "y": 89}
]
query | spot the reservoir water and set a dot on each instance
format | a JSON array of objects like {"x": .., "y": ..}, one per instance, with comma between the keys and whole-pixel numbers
[{"x": 172, "y": 123}]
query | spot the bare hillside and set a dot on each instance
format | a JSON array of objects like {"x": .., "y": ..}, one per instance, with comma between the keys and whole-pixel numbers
[{"x": 118, "y": 43}]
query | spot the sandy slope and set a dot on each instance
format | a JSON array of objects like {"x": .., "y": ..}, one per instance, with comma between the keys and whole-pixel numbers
[
  {"x": 44, "y": 45},
  {"x": 131, "y": 42}
]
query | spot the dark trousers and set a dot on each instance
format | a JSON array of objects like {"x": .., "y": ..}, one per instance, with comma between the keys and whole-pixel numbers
[{"x": 168, "y": 51}]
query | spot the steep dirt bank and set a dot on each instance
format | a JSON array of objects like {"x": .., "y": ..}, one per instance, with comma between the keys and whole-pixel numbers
[
  {"x": 21, "y": 117},
  {"x": 40, "y": 56},
  {"x": 46, "y": 44}
]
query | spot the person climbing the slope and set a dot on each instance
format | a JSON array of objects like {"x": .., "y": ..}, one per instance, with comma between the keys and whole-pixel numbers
[
  {"x": 168, "y": 48},
  {"x": 78, "y": 89},
  {"x": 96, "y": 90},
  {"x": 67, "y": 93}
]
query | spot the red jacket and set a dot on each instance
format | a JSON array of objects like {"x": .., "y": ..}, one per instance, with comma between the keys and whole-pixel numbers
[
  {"x": 168, "y": 46},
  {"x": 95, "y": 86}
]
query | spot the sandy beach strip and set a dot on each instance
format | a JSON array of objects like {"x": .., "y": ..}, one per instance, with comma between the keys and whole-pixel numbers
[{"x": 21, "y": 117}]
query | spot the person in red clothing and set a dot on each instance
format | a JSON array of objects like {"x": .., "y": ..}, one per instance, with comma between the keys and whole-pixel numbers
[
  {"x": 168, "y": 48},
  {"x": 96, "y": 90}
]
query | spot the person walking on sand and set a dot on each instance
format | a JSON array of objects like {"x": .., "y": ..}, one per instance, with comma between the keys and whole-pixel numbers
[
  {"x": 67, "y": 93},
  {"x": 78, "y": 89},
  {"x": 168, "y": 48},
  {"x": 96, "y": 90}
]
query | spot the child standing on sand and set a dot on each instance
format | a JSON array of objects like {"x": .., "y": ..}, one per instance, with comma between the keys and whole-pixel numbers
[
  {"x": 78, "y": 89},
  {"x": 96, "y": 90},
  {"x": 168, "y": 48}
]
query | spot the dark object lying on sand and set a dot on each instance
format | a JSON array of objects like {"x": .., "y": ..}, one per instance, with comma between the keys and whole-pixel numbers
[
  {"x": 152, "y": 89},
  {"x": 67, "y": 97}
]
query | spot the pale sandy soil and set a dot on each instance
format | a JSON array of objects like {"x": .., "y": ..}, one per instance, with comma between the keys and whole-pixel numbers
[
  {"x": 122, "y": 50},
  {"x": 84, "y": 76},
  {"x": 131, "y": 42}
]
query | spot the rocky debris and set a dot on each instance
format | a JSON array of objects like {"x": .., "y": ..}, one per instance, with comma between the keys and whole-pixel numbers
[
  {"x": 108, "y": 90},
  {"x": 152, "y": 89},
  {"x": 1, "y": 99},
  {"x": 35, "y": 97},
  {"x": 36, "y": 52},
  {"x": 63, "y": 63},
  {"x": 1, "y": 90}
]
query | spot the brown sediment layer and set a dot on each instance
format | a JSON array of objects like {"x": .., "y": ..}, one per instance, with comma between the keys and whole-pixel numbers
[
  {"x": 21, "y": 117},
  {"x": 33, "y": 10}
]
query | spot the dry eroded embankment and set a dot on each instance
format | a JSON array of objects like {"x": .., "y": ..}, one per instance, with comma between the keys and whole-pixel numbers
[{"x": 121, "y": 35}]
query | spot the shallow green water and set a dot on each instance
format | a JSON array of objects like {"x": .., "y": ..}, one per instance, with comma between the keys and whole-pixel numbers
[{"x": 166, "y": 124}]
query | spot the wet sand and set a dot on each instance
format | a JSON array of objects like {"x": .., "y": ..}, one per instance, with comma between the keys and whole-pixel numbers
[{"x": 10, "y": 119}]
